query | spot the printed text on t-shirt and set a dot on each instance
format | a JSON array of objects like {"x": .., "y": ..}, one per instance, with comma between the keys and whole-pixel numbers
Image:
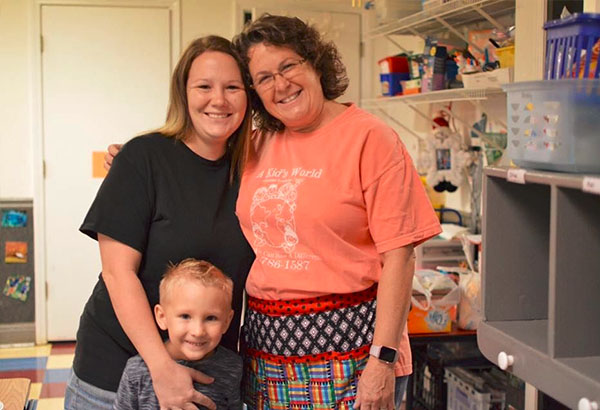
[
  {"x": 272, "y": 214},
  {"x": 294, "y": 172}
]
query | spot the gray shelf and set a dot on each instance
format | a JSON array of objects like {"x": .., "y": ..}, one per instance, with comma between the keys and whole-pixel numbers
[
  {"x": 588, "y": 366},
  {"x": 566, "y": 380},
  {"x": 541, "y": 281},
  {"x": 533, "y": 333}
]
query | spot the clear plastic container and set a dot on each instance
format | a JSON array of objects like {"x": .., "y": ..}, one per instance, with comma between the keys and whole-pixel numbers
[{"x": 554, "y": 125}]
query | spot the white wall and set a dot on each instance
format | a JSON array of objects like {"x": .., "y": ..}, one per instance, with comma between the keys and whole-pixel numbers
[
  {"x": 16, "y": 179},
  {"x": 199, "y": 17}
]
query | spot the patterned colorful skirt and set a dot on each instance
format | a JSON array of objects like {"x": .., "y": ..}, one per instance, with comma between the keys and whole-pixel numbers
[{"x": 307, "y": 353}]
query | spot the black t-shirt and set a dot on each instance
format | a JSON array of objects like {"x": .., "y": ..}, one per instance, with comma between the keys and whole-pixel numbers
[{"x": 165, "y": 201}]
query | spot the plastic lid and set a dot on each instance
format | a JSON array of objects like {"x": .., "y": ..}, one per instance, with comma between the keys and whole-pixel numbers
[
  {"x": 396, "y": 58},
  {"x": 591, "y": 84},
  {"x": 576, "y": 18}
]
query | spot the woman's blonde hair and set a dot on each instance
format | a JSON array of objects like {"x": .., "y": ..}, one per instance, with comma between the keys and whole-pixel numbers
[{"x": 179, "y": 125}]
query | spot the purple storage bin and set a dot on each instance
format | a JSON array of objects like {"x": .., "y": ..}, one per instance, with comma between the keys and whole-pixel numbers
[{"x": 569, "y": 44}]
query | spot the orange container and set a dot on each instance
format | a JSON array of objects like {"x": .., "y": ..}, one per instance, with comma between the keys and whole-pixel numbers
[{"x": 411, "y": 86}]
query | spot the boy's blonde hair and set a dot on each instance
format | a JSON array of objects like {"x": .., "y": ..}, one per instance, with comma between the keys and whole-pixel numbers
[{"x": 194, "y": 270}]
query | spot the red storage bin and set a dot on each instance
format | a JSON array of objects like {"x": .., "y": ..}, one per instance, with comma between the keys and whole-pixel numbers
[{"x": 395, "y": 64}]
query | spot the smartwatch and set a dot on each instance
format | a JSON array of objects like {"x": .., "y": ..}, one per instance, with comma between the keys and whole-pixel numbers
[{"x": 384, "y": 353}]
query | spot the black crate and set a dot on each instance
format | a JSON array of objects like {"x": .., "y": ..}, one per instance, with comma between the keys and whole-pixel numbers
[
  {"x": 511, "y": 385},
  {"x": 428, "y": 386}
]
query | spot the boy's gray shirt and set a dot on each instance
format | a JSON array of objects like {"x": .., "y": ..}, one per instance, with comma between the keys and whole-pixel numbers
[{"x": 136, "y": 391}]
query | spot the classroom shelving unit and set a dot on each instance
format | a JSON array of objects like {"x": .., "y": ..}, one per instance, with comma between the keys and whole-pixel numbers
[
  {"x": 541, "y": 280},
  {"x": 541, "y": 239},
  {"x": 453, "y": 16}
]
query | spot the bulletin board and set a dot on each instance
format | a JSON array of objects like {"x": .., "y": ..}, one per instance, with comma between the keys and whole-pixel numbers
[{"x": 17, "y": 298}]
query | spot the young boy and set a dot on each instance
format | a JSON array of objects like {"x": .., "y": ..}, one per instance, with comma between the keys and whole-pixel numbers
[{"x": 195, "y": 309}]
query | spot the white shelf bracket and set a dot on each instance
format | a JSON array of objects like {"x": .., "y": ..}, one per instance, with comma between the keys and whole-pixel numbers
[
  {"x": 457, "y": 33},
  {"x": 489, "y": 18},
  {"x": 502, "y": 123},
  {"x": 423, "y": 115},
  {"x": 474, "y": 130},
  {"x": 477, "y": 105},
  {"x": 394, "y": 42},
  {"x": 398, "y": 123},
  {"x": 416, "y": 33}
]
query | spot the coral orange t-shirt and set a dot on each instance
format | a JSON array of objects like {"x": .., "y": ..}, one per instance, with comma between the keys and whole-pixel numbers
[{"x": 320, "y": 208}]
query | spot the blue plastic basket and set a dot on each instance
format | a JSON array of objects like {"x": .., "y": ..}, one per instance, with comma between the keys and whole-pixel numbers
[
  {"x": 569, "y": 44},
  {"x": 390, "y": 83}
]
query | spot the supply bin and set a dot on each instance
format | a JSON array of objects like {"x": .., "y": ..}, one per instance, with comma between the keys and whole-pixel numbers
[
  {"x": 506, "y": 56},
  {"x": 391, "y": 84},
  {"x": 393, "y": 70},
  {"x": 553, "y": 125},
  {"x": 572, "y": 47},
  {"x": 468, "y": 390},
  {"x": 430, "y": 362}
]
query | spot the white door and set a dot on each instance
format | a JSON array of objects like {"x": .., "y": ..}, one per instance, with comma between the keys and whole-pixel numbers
[
  {"x": 341, "y": 28},
  {"x": 105, "y": 79}
]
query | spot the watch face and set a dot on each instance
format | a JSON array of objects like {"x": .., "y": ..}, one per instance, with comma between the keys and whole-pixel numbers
[{"x": 387, "y": 354}]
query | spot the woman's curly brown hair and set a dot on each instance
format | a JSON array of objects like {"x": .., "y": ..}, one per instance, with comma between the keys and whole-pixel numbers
[{"x": 305, "y": 40}]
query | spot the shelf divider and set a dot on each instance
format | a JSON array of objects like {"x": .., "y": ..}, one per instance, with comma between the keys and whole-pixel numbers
[
  {"x": 515, "y": 250},
  {"x": 575, "y": 274}
]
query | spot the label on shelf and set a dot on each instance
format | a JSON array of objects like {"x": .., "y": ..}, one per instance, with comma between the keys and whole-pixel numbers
[
  {"x": 516, "y": 175},
  {"x": 591, "y": 185}
]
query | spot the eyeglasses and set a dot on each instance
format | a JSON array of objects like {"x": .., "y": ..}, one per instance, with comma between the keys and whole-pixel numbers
[{"x": 288, "y": 70}]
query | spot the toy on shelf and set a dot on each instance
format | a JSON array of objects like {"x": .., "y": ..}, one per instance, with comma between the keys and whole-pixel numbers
[
  {"x": 446, "y": 157},
  {"x": 466, "y": 62}
]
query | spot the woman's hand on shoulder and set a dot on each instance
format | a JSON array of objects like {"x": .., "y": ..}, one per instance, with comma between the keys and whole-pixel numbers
[
  {"x": 174, "y": 387},
  {"x": 113, "y": 150},
  {"x": 376, "y": 386}
]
